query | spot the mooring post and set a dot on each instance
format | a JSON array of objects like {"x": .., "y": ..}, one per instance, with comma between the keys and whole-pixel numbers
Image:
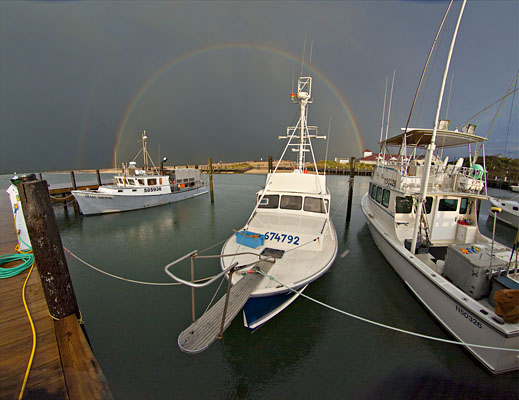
[
  {"x": 210, "y": 166},
  {"x": 74, "y": 187},
  {"x": 48, "y": 249},
  {"x": 270, "y": 164},
  {"x": 98, "y": 177},
  {"x": 350, "y": 188}
]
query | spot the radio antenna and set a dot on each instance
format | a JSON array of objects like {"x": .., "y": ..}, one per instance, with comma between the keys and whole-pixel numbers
[{"x": 303, "y": 58}]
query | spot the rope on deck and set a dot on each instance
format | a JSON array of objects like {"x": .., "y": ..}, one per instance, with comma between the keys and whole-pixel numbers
[{"x": 420, "y": 335}]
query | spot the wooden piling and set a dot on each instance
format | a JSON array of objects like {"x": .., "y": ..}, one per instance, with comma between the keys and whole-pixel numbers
[
  {"x": 98, "y": 177},
  {"x": 211, "y": 179},
  {"x": 350, "y": 188},
  {"x": 74, "y": 187},
  {"x": 48, "y": 249},
  {"x": 270, "y": 164}
]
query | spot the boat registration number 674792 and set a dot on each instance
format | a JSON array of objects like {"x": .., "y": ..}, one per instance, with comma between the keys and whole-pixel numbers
[{"x": 282, "y": 237}]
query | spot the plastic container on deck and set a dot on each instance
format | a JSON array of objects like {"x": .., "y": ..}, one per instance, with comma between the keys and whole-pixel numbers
[{"x": 250, "y": 239}]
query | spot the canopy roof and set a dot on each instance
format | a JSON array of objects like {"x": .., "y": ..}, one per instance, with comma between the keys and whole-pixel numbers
[{"x": 422, "y": 138}]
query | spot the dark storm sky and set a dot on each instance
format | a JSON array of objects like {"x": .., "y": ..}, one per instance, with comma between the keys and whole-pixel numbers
[{"x": 212, "y": 79}]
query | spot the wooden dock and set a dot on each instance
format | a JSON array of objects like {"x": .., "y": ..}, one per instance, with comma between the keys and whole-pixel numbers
[{"x": 64, "y": 366}]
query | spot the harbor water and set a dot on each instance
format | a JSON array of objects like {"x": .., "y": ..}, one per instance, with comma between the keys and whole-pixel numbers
[{"x": 306, "y": 352}]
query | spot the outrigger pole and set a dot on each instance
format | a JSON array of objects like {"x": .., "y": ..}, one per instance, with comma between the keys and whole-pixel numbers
[{"x": 432, "y": 145}]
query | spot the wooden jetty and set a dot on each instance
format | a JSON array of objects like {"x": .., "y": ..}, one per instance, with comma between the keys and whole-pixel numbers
[{"x": 64, "y": 366}]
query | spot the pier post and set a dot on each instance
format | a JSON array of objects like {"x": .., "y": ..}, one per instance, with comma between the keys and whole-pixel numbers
[
  {"x": 270, "y": 164},
  {"x": 350, "y": 188},
  {"x": 210, "y": 166},
  {"x": 48, "y": 249},
  {"x": 98, "y": 177},
  {"x": 74, "y": 187}
]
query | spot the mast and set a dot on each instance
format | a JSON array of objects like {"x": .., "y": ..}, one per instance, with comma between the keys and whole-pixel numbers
[
  {"x": 145, "y": 149},
  {"x": 432, "y": 145}
]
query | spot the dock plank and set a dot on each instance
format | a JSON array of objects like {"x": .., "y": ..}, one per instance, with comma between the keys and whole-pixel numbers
[
  {"x": 48, "y": 376},
  {"x": 84, "y": 377},
  {"x": 204, "y": 331}
]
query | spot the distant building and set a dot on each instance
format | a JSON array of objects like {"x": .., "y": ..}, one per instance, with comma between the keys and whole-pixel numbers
[{"x": 368, "y": 157}]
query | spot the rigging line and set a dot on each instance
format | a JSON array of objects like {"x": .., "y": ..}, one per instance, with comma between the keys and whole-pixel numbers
[
  {"x": 476, "y": 149},
  {"x": 126, "y": 279},
  {"x": 426, "y": 64},
  {"x": 486, "y": 108},
  {"x": 327, "y": 142},
  {"x": 501, "y": 105},
  {"x": 449, "y": 98},
  {"x": 510, "y": 117},
  {"x": 420, "y": 335}
]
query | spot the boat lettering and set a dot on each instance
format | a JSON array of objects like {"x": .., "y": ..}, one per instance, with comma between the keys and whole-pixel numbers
[
  {"x": 281, "y": 237},
  {"x": 469, "y": 317},
  {"x": 390, "y": 182},
  {"x": 90, "y": 196},
  {"x": 152, "y": 189}
]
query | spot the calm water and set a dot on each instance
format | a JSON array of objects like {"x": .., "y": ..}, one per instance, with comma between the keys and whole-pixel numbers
[{"x": 306, "y": 352}]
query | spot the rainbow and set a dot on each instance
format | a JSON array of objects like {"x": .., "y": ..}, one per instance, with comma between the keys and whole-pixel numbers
[{"x": 215, "y": 48}]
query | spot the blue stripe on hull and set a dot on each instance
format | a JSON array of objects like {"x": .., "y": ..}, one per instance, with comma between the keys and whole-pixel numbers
[{"x": 257, "y": 308}]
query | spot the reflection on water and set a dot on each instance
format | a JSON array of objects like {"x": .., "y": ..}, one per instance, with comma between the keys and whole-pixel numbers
[{"x": 305, "y": 352}]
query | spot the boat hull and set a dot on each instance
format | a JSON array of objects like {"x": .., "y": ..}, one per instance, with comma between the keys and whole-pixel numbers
[
  {"x": 93, "y": 203},
  {"x": 456, "y": 317},
  {"x": 506, "y": 215},
  {"x": 259, "y": 310}
]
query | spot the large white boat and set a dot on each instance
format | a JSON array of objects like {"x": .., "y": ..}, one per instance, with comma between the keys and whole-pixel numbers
[
  {"x": 421, "y": 213},
  {"x": 290, "y": 224},
  {"x": 509, "y": 210},
  {"x": 137, "y": 188}
]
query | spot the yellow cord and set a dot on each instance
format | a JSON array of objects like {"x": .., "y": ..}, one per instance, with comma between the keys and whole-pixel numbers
[
  {"x": 31, "y": 358},
  {"x": 33, "y": 335}
]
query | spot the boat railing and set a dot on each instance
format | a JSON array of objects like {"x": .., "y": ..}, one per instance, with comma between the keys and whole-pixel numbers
[
  {"x": 445, "y": 178},
  {"x": 207, "y": 281}
]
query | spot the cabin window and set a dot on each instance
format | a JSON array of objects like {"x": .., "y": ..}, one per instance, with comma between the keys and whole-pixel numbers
[
  {"x": 448, "y": 205},
  {"x": 379, "y": 194},
  {"x": 291, "y": 202},
  {"x": 403, "y": 205},
  {"x": 385, "y": 198},
  {"x": 160, "y": 181},
  {"x": 428, "y": 205},
  {"x": 373, "y": 191},
  {"x": 131, "y": 182},
  {"x": 464, "y": 204},
  {"x": 315, "y": 204},
  {"x": 120, "y": 181},
  {"x": 141, "y": 182},
  {"x": 269, "y": 201},
  {"x": 152, "y": 182},
  {"x": 515, "y": 208}
]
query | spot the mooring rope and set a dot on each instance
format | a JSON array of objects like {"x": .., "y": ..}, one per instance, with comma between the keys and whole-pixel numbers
[
  {"x": 420, "y": 335},
  {"x": 126, "y": 279}
]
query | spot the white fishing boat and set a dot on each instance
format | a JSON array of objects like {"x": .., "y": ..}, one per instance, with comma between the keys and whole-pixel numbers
[
  {"x": 290, "y": 224},
  {"x": 421, "y": 213},
  {"x": 137, "y": 188},
  {"x": 509, "y": 210}
]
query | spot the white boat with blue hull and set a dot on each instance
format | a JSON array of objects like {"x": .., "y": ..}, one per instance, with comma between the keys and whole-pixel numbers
[
  {"x": 422, "y": 215},
  {"x": 288, "y": 242},
  {"x": 290, "y": 223},
  {"x": 137, "y": 188}
]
